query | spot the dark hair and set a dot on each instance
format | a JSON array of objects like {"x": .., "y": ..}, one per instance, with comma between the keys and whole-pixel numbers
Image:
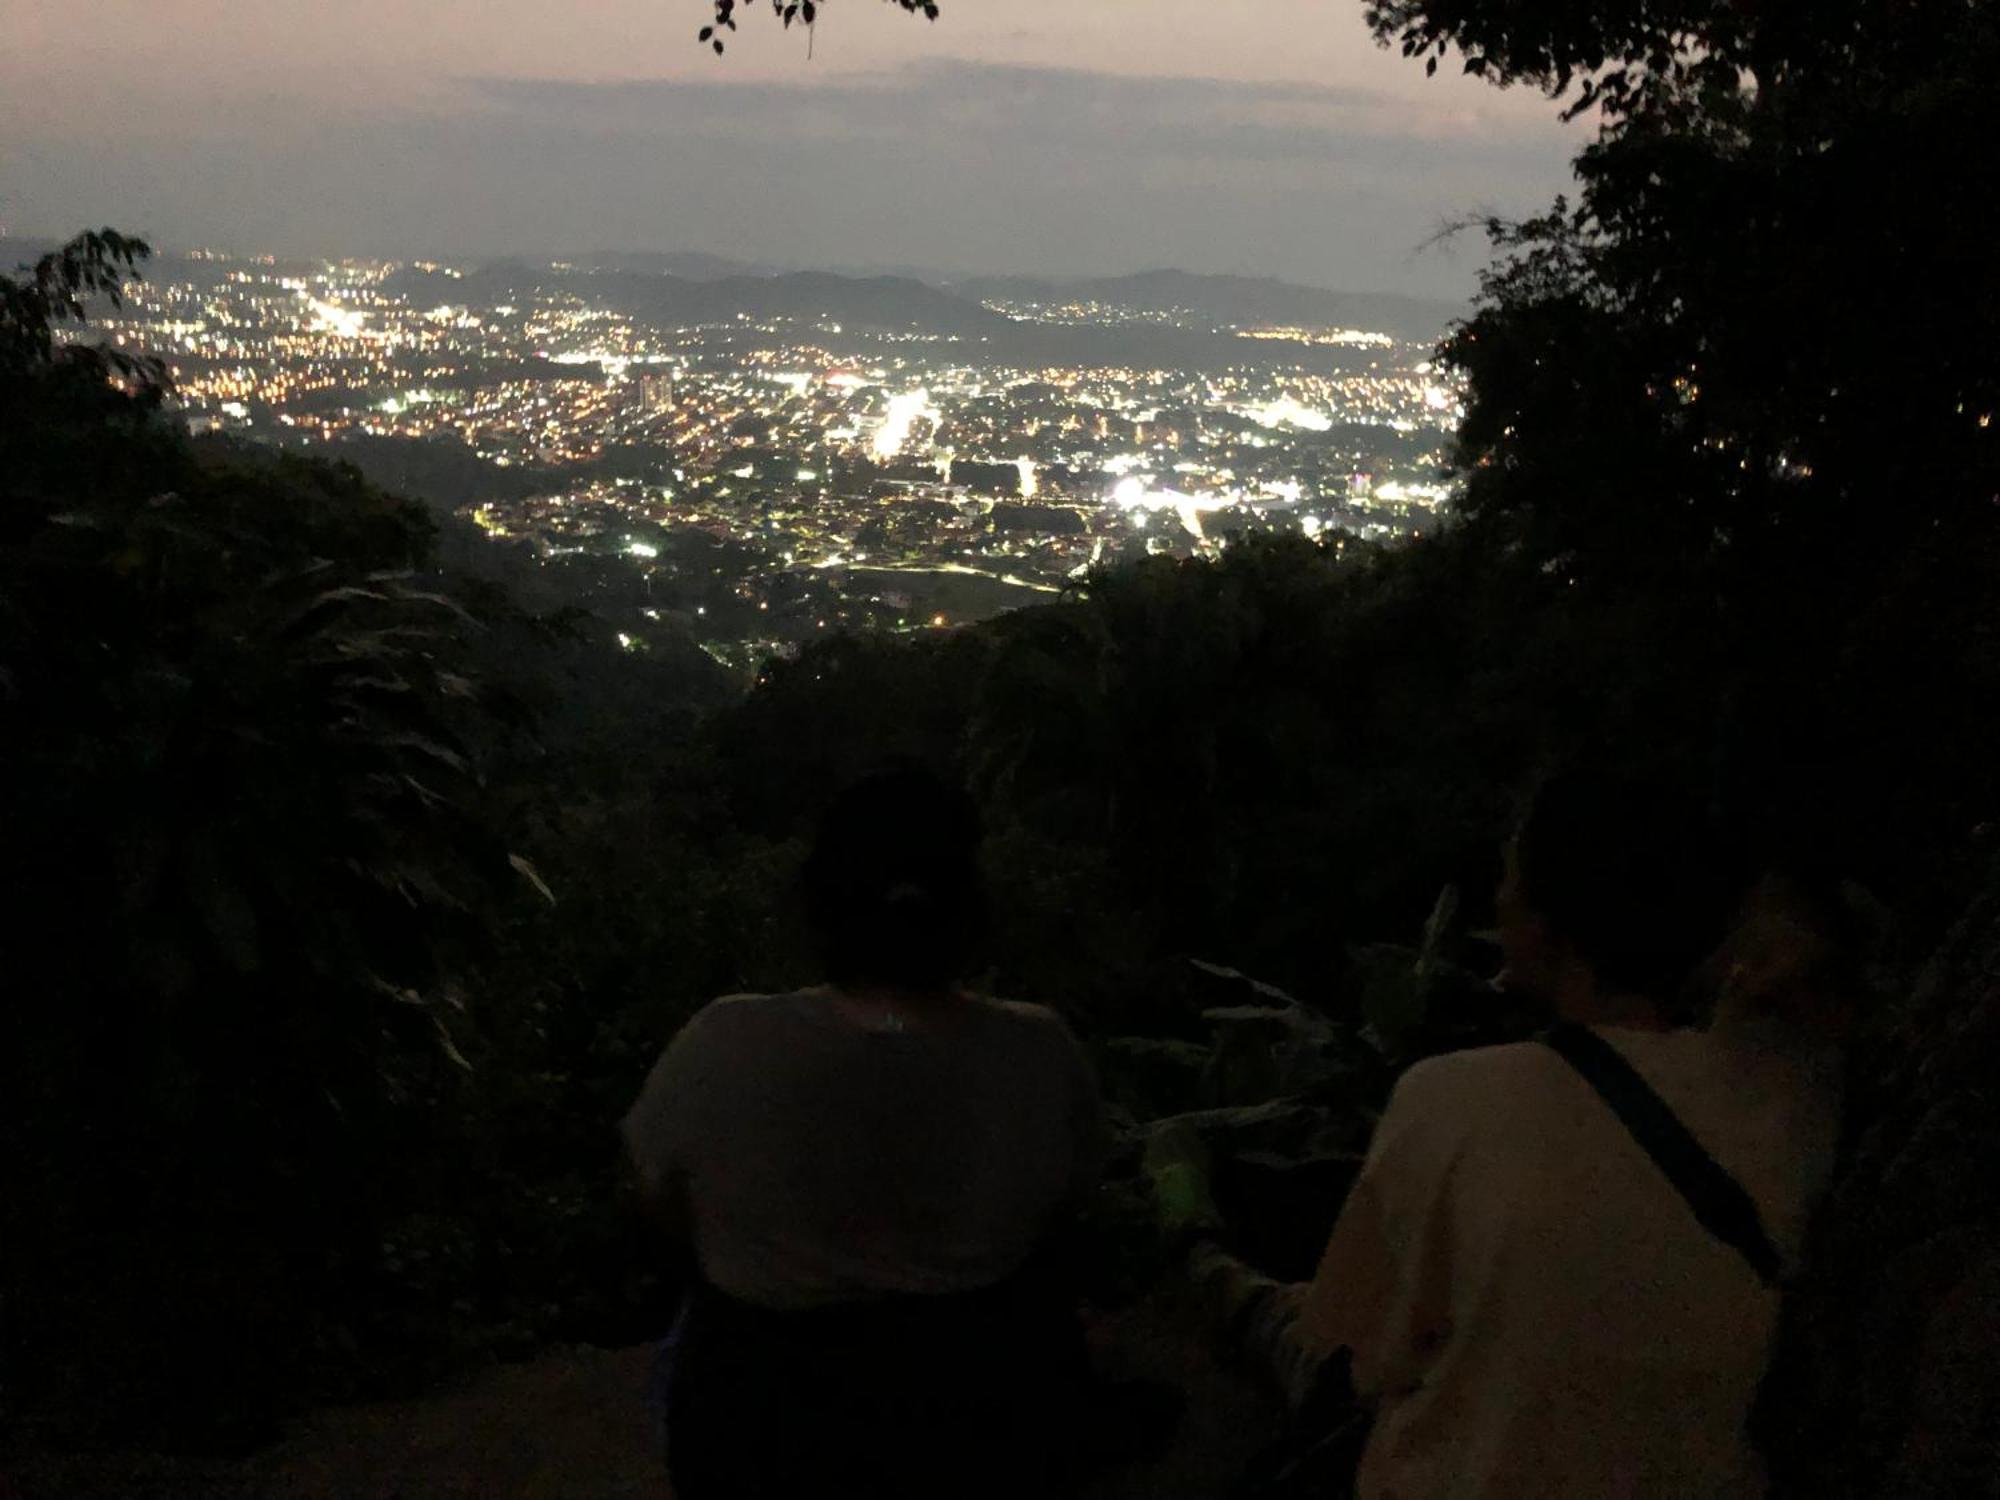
[
  {"x": 892, "y": 885},
  {"x": 1626, "y": 867}
]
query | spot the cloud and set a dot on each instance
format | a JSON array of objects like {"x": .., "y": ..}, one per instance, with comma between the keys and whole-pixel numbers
[
  {"x": 952, "y": 164},
  {"x": 1132, "y": 118}
]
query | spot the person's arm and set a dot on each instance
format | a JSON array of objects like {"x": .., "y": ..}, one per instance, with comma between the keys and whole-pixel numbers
[
  {"x": 1066, "y": 1251},
  {"x": 1382, "y": 1290},
  {"x": 1258, "y": 1316},
  {"x": 660, "y": 1132},
  {"x": 668, "y": 1216}
]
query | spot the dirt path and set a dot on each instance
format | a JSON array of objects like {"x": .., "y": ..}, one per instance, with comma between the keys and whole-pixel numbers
[{"x": 571, "y": 1425}]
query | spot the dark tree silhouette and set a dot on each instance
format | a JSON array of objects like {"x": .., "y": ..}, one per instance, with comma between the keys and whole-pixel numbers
[
  {"x": 1770, "y": 295},
  {"x": 244, "y": 878},
  {"x": 1751, "y": 364},
  {"x": 55, "y": 292}
]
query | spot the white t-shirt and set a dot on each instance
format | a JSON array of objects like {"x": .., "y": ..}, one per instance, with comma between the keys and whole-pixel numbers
[
  {"x": 826, "y": 1161},
  {"x": 1532, "y": 1306}
]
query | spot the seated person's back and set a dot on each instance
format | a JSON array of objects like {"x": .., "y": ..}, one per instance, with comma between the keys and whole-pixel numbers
[
  {"x": 1557, "y": 1323},
  {"x": 864, "y": 1173},
  {"x": 1532, "y": 1306},
  {"x": 832, "y": 1153}
]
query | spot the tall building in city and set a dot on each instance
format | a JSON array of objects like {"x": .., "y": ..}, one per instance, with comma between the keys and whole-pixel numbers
[{"x": 656, "y": 393}]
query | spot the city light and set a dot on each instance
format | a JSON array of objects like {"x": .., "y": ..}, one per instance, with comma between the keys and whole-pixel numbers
[
  {"x": 904, "y": 412},
  {"x": 753, "y": 477},
  {"x": 1285, "y": 412},
  {"x": 347, "y": 323}
]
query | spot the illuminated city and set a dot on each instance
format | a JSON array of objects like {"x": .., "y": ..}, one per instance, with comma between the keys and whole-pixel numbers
[{"x": 757, "y": 460}]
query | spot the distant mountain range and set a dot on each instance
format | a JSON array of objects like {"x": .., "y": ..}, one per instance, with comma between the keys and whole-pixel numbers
[
  {"x": 689, "y": 288},
  {"x": 1226, "y": 301},
  {"x": 708, "y": 289},
  {"x": 878, "y": 304},
  {"x": 1223, "y": 301},
  {"x": 695, "y": 265}
]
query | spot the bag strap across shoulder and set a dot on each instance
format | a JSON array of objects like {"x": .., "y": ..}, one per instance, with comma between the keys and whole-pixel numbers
[{"x": 1717, "y": 1200}]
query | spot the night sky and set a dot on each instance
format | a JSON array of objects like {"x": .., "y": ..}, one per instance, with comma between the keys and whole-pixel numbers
[{"x": 1039, "y": 136}]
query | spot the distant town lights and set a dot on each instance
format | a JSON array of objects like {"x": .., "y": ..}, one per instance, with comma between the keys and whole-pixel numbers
[{"x": 771, "y": 438}]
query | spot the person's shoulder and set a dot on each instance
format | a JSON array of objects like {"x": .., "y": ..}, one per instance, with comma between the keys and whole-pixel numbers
[
  {"x": 1684, "y": 1049},
  {"x": 1023, "y": 1014},
  {"x": 732, "y": 1016},
  {"x": 1506, "y": 1078},
  {"x": 1036, "y": 1023},
  {"x": 1027, "y": 1012},
  {"x": 1478, "y": 1067},
  {"x": 1478, "y": 1098},
  {"x": 749, "y": 1003},
  {"x": 710, "y": 1045}
]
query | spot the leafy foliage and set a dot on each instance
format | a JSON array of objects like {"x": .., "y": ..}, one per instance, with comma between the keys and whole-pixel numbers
[
  {"x": 805, "y": 12},
  {"x": 246, "y": 878},
  {"x": 94, "y": 264},
  {"x": 1685, "y": 57},
  {"x": 1697, "y": 307},
  {"x": 1745, "y": 379}
]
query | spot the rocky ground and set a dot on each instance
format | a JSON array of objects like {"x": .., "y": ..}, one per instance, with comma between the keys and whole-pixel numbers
[{"x": 570, "y": 1425}]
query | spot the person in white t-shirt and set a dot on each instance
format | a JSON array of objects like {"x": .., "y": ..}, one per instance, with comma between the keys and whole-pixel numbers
[
  {"x": 867, "y": 1180},
  {"x": 1530, "y": 1306}
]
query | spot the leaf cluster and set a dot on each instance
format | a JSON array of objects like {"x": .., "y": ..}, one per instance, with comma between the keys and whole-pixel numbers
[
  {"x": 804, "y": 12},
  {"x": 1706, "y": 363},
  {"x": 55, "y": 291}
]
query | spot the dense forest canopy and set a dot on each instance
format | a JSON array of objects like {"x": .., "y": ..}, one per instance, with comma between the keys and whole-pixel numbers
[{"x": 347, "y": 897}]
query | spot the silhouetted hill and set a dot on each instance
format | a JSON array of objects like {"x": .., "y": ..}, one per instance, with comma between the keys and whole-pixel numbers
[
  {"x": 692, "y": 287},
  {"x": 686, "y": 288},
  {"x": 692, "y": 265},
  {"x": 863, "y": 305},
  {"x": 1229, "y": 301},
  {"x": 879, "y": 303}
]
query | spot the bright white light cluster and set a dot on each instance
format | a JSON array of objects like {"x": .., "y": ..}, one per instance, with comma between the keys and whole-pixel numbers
[
  {"x": 1133, "y": 493},
  {"x": 1285, "y": 412},
  {"x": 904, "y": 410}
]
